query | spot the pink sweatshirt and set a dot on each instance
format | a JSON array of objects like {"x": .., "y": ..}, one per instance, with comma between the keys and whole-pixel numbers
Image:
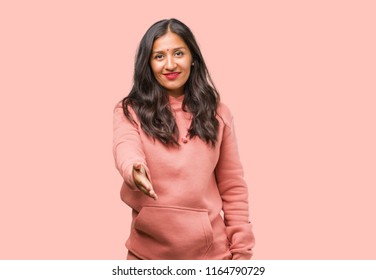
[{"x": 194, "y": 183}]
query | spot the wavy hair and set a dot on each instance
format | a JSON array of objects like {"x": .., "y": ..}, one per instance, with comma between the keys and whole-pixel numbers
[{"x": 149, "y": 99}]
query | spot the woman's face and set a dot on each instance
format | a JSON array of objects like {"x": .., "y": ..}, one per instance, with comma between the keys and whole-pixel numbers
[{"x": 171, "y": 62}]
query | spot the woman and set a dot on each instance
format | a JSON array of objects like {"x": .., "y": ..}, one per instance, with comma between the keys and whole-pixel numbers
[{"x": 175, "y": 147}]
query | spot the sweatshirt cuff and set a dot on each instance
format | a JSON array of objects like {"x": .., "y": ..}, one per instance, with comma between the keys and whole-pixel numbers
[
  {"x": 242, "y": 241},
  {"x": 242, "y": 256},
  {"x": 128, "y": 176}
]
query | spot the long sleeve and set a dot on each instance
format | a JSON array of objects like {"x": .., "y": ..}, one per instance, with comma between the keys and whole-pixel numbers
[
  {"x": 127, "y": 146},
  {"x": 234, "y": 193}
]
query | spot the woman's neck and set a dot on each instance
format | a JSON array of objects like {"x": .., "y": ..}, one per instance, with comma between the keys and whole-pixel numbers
[{"x": 175, "y": 93}]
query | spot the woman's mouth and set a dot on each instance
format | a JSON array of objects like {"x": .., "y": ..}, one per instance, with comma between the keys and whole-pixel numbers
[{"x": 172, "y": 76}]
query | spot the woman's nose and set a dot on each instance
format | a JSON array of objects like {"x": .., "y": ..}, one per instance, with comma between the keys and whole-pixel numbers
[{"x": 170, "y": 63}]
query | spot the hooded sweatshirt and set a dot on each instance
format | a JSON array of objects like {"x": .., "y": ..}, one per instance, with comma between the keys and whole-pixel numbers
[{"x": 202, "y": 206}]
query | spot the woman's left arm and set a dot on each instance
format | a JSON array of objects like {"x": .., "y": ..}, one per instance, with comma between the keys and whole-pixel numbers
[{"x": 234, "y": 193}]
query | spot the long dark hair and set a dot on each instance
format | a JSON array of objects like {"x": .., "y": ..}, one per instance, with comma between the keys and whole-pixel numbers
[{"x": 149, "y": 99}]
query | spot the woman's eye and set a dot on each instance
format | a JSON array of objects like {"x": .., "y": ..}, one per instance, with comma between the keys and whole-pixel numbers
[
  {"x": 158, "y": 56},
  {"x": 179, "y": 53}
]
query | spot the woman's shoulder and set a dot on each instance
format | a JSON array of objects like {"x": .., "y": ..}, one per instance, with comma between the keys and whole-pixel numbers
[
  {"x": 119, "y": 107},
  {"x": 224, "y": 113},
  {"x": 119, "y": 111}
]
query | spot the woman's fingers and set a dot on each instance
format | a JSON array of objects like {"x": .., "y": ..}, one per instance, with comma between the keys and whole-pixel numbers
[{"x": 141, "y": 180}]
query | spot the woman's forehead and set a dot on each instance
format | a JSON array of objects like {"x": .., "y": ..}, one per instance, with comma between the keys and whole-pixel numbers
[{"x": 169, "y": 41}]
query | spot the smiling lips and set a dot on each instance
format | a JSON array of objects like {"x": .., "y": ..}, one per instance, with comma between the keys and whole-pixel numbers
[{"x": 172, "y": 76}]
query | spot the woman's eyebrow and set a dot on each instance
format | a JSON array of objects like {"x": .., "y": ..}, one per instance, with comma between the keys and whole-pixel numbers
[{"x": 175, "y": 49}]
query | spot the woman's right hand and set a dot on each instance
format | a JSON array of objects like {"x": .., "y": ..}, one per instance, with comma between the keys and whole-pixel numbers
[{"x": 142, "y": 181}]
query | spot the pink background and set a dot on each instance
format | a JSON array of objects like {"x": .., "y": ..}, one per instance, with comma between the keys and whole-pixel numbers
[{"x": 299, "y": 77}]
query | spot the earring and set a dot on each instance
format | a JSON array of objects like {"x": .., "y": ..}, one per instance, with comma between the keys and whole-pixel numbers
[{"x": 193, "y": 64}]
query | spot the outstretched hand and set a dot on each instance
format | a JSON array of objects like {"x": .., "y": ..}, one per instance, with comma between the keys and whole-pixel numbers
[{"x": 142, "y": 181}]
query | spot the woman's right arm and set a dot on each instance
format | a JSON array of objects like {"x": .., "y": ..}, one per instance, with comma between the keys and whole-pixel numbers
[{"x": 128, "y": 154}]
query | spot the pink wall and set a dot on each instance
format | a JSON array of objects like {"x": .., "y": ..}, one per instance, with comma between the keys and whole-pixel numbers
[{"x": 299, "y": 78}]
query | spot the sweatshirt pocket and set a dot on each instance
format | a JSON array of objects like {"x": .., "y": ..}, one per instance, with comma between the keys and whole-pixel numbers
[{"x": 163, "y": 232}]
